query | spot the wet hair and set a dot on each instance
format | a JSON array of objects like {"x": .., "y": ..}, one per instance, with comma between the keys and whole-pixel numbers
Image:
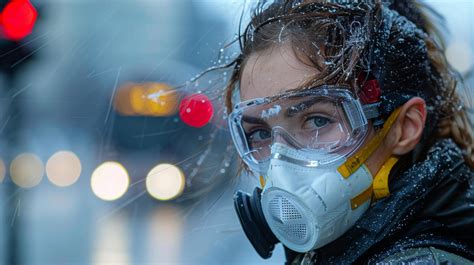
[{"x": 395, "y": 43}]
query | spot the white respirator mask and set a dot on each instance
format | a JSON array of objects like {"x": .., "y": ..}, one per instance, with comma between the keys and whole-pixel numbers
[
  {"x": 309, "y": 148},
  {"x": 306, "y": 208}
]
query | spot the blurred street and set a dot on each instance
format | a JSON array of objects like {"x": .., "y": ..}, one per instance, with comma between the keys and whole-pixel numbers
[{"x": 100, "y": 161}]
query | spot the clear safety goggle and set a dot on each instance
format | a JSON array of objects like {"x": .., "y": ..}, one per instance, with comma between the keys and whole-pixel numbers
[{"x": 326, "y": 120}]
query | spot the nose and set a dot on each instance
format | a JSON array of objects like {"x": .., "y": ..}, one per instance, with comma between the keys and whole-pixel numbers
[{"x": 281, "y": 136}]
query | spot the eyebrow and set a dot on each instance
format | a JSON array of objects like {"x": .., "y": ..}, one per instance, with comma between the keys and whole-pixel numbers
[
  {"x": 302, "y": 106},
  {"x": 253, "y": 120},
  {"x": 290, "y": 112}
]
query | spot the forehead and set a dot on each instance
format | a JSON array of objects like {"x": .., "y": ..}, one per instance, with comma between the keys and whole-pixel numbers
[{"x": 273, "y": 71}]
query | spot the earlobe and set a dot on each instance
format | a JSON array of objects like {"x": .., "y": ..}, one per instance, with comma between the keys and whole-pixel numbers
[{"x": 408, "y": 129}]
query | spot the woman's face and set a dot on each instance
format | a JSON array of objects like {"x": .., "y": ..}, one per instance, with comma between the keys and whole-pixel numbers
[{"x": 276, "y": 70}]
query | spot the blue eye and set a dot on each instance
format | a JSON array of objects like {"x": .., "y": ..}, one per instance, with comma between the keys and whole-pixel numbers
[
  {"x": 316, "y": 122},
  {"x": 259, "y": 135}
]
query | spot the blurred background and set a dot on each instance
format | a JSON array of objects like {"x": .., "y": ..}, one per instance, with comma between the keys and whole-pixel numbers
[{"x": 101, "y": 161}]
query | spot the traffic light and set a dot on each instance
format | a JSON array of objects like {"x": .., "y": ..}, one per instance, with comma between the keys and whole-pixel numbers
[{"x": 17, "y": 19}]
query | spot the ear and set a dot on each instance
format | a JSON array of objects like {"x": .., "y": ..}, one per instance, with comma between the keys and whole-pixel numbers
[{"x": 406, "y": 132}]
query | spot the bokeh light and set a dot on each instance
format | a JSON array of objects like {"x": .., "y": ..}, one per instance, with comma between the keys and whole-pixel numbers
[
  {"x": 196, "y": 110},
  {"x": 161, "y": 100},
  {"x": 18, "y": 19},
  {"x": 63, "y": 168},
  {"x": 138, "y": 99},
  {"x": 165, "y": 182},
  {"x": 26, "y": 170},
  {"x": 154, "y": 99},
  {"x": 459, "y": 55},
  {"x": 122, "y": 100},
  {"x": 3, "y": 171},
  {"x": 110, "y": 181}
]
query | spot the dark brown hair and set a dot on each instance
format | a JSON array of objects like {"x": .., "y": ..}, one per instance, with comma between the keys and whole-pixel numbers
[{"x": 398, "y": 44}]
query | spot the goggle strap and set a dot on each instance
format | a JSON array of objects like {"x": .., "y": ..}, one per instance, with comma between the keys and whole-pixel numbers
[
  {"x": 355, "y": 161},
  {"x": 371, "y": 111}
]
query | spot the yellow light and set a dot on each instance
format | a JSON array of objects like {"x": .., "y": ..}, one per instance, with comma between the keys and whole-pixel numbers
[
  {"x": 26, "y": 170},
  {"x": 161, "y": 100},
  {"x": 63, "y": 168},
  {"x": 3, "y": 171},
  {"x": 165, "y": 182},
  {"x": 122, "y": 102},
  {"x": 110, "y": 181},
  {"x": 138, "y": 99}
]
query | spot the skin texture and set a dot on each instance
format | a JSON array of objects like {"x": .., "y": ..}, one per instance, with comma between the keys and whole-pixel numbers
[{"x": 273, "y": 71}]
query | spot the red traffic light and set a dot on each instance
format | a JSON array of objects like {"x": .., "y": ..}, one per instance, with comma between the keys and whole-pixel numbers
[
  {"x": 18, "y": 19},
  {"x": 196, "y": 110}
]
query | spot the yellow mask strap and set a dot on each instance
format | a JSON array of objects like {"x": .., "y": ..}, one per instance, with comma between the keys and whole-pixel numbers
[
  {"x": 355, "y": 161},
  {"x": 361, "y": 198},
  {"x": 262, "y": 181},
  {"x": 380, "y": 184},
  {"x": 379, "y": 187}
]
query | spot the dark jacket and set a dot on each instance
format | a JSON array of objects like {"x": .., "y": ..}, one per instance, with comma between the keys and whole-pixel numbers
[{"x": 429, "y": 213}]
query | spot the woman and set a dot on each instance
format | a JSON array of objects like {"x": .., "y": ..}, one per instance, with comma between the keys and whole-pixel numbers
[{"x": 346, "y": 111}]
